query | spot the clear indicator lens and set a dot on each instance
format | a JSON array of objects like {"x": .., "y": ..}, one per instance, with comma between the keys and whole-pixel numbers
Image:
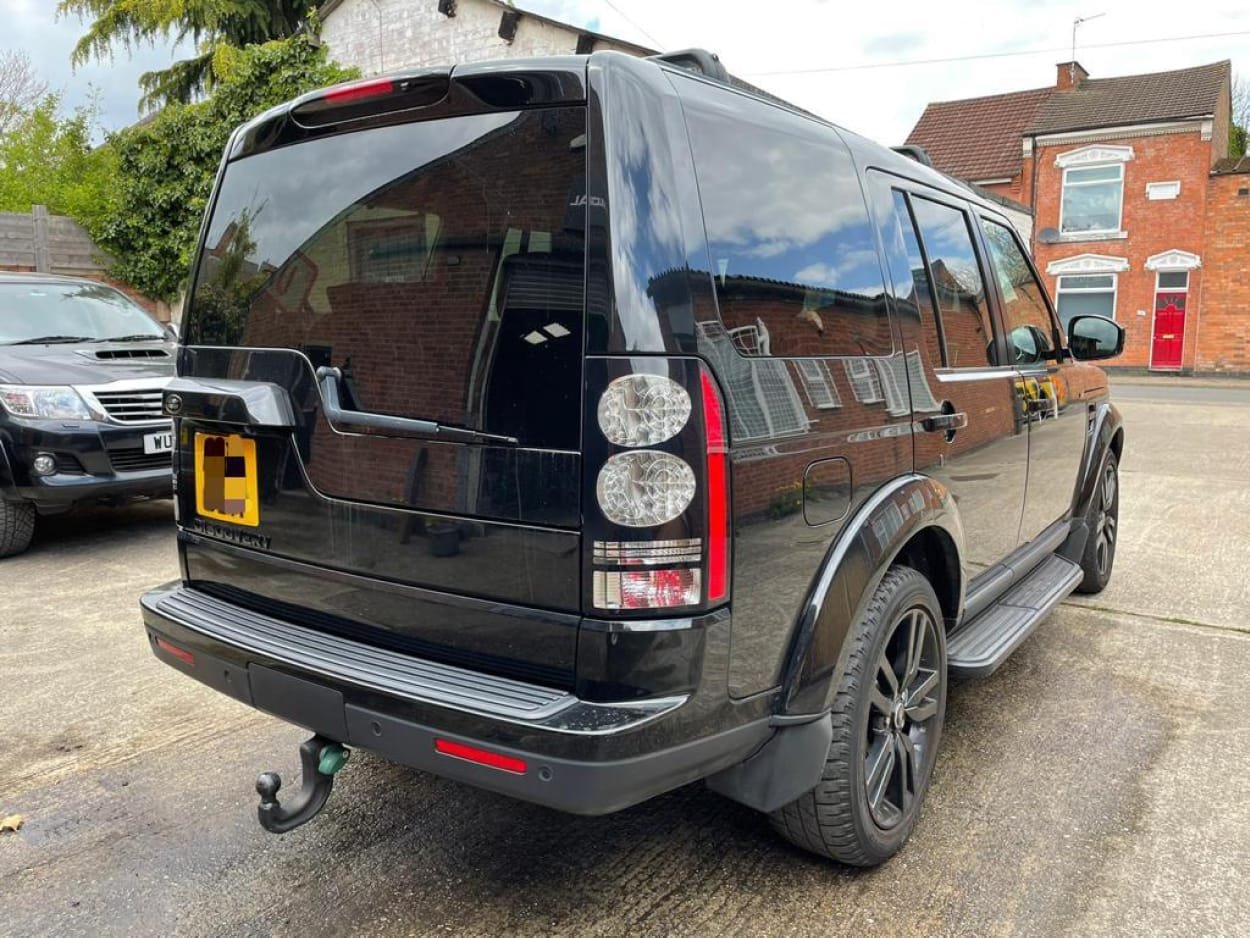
[
  {"x": 643, "y": 410},
  {"x": 644, "y": 489}
]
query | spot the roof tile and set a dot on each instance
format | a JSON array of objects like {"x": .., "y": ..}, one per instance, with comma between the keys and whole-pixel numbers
[{"x": 978, "y": 138}]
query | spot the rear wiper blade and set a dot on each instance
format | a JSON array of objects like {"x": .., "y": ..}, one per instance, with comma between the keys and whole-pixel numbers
[
  {"x": 137, "y": 337},
  {"x": 52, "y": 340},
  {"x": 342, "y": 419}
]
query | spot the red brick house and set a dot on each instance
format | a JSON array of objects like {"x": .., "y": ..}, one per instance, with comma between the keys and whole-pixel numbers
[{"x": 1136, "y": 207}]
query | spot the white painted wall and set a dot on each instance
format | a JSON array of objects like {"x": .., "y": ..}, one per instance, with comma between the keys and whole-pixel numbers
[{"x": 390, "y": 35}]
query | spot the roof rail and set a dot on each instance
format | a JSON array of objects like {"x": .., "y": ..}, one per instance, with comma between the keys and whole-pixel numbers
[
  {"x": 915, "y": 152},
  {"x": 695, "y": 60}
]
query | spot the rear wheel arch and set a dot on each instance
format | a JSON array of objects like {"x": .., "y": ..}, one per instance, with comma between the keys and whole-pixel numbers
[
  {"x": 932, "y": 551},
  {"x": 929, "y": 538}
]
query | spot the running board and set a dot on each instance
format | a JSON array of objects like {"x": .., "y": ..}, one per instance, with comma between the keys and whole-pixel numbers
[{"x": 981, "y": 646}]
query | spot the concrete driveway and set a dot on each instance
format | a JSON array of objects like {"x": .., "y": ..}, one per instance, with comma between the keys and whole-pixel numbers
[{"x": 1096, "y": 785}]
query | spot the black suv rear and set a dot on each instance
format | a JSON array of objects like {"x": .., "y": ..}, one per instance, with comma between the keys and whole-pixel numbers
[{"x": 492, "y": 455}]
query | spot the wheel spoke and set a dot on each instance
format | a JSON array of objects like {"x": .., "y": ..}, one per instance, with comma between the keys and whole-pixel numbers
[
  {"x": 880, "y": 701},
  {"x": 915, "y": 645},
  {"x": 920, "y": 706},
  {"x": 1109, "y": 527},
  {"x": 1108, "y": 489},
  {"x": 880, "y": 772},
  {"x": 886, "y": 667},
  {"x": 905, "y": 757}
]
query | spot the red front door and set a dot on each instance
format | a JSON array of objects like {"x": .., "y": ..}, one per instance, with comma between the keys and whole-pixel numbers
[{"x": 1168, "y": 341}]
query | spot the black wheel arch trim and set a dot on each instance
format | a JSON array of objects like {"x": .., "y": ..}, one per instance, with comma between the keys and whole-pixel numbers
[
  {"x": 854, "y": 565},
  {"x": 1108, "y": 424}
]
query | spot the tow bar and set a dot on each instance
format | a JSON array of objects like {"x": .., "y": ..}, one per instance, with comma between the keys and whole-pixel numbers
[{"x": 319, "y": 759}]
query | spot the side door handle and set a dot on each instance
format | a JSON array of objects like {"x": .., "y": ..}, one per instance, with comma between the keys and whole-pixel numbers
[{"x": 948, "y": 422}]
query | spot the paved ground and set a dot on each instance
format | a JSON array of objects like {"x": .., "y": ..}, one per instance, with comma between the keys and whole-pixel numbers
[{"x": 1095, "y": 785}]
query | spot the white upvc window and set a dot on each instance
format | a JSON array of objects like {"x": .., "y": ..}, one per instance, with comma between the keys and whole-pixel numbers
[
  {"x": 818, "y": 383},
  {"x": 865, "y": 381},
  {"x": 1086, "y": 295},
  {"x": 1093, "y": 199}
]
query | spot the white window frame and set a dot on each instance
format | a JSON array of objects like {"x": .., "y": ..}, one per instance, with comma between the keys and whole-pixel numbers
[
  {"x": 1159, "y": 288},
  {"x": 1119, "y": 218},
  {"x": 1115, "y": 289},
  {"x": 893, "y": 374},
  {"x": 818, "y": 383},
  {"x": 865, "y": 380}
]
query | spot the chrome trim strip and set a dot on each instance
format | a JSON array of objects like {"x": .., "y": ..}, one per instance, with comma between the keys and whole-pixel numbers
[
  {"x": 975, "y": 374},
  {"x": 404, "y": 676}
]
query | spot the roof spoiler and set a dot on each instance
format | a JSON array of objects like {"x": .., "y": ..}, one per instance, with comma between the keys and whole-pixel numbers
[
  {"x": 916, "y": 152},
  {"x": 695, "y": 60}
]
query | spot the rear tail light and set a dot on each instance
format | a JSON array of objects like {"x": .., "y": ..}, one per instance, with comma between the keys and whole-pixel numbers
[{"x": 664, "y": 480}]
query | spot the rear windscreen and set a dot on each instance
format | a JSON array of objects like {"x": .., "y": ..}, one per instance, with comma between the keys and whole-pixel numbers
[{"x": 440, "y": 264}]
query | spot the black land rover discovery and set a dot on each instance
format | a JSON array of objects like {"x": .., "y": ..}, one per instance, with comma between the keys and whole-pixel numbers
[
  {"x": 579, "y": 428},
  {"x": 81, "y": 373}
]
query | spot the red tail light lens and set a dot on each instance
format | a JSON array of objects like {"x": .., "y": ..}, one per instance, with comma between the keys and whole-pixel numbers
[{"x": 717, "y": 495}]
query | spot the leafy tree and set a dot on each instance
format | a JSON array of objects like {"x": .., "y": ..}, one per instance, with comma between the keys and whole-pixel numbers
[
  {"x": 21, "y": 88},
  {"x": 165, "y": 166},
  {"x": 47, "y": 158},
  {"x": 216, "y": 26}
]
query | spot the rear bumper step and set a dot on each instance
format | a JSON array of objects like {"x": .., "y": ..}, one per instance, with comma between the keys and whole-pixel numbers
[
  {"x": 421, "y": 714},
  {"x": 393, "y": 673},
  {"x": 981, "y": 646}
]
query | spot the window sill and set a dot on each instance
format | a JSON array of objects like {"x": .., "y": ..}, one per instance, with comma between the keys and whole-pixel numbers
[{"x": 1074, "y": 237}]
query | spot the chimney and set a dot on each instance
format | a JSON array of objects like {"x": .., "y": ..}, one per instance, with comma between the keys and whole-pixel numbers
[{"x": 1069, "y": 76}]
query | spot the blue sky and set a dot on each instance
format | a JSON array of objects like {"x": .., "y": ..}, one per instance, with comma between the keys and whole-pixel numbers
[{"x": 756, "y": 40}]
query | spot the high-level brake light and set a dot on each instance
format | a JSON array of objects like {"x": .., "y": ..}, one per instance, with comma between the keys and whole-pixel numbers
[{"x": 359, "y": 91}]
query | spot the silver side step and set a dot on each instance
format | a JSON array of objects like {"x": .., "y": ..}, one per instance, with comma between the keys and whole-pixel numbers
[
  {"x": 981, "y": 646},
  {"x": 400, "y": 675}
]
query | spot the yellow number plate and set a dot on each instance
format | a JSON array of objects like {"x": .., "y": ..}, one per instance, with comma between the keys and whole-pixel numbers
[{"x": 225, "y": 478}]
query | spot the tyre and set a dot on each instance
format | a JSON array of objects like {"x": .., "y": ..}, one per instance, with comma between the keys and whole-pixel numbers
[
  {"x": 1104, "y": 526},
  {"x": 887, "y": 722},
  {"x": 17, "y": 526}
]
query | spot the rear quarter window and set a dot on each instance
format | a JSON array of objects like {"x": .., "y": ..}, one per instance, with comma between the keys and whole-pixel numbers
[{"x": 793, "y": 253}]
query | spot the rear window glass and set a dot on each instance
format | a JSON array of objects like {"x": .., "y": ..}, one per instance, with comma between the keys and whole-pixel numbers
[
  {"x": 793, "y": 253},
  {"x": 439, "y": 263}
]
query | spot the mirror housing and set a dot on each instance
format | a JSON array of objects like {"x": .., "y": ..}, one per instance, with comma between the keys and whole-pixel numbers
[{"x": 1092, "y": 338}]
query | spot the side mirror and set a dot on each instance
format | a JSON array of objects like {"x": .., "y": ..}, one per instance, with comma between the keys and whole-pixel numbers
[
  {"x": 171, "y": 331},
  {"x": 1030, "y": 345},
  {"x": 1095, "y": 337}
]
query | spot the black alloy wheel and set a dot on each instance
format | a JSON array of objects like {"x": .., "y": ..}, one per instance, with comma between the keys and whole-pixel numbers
[
  {"x": 1103, "y": 521},
  {"x": 904, "y": 701},
  {"x": 887, "y": 713}
]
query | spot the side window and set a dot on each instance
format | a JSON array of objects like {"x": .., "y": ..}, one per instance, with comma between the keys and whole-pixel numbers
[
  {"x": 1030, "y": 330},
  {"x": 793, "y": 253},
  {"x": 956, "y": 278}
]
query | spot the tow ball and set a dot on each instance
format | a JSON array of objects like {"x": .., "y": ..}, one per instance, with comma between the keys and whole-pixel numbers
[{"x": 319, "y": 760}]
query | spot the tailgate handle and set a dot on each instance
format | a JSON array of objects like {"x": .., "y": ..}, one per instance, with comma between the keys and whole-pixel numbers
[
  {"x": 219, "y": 400},
  {"x": 386, "y": 425}
]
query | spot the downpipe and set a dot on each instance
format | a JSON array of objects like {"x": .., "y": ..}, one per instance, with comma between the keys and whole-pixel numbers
[{"x": 320, "y": 760}]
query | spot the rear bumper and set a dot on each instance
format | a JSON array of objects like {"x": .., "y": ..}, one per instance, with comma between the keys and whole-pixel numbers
[{"x": 580, "y": 756}]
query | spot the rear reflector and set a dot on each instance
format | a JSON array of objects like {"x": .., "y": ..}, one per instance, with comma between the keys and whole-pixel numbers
[
  {"x": 180, "y": 653},
  {"x": 717, "y": 491},
  {"x": 358, "y": 91},
  {"x": 494, "y": 760}
]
